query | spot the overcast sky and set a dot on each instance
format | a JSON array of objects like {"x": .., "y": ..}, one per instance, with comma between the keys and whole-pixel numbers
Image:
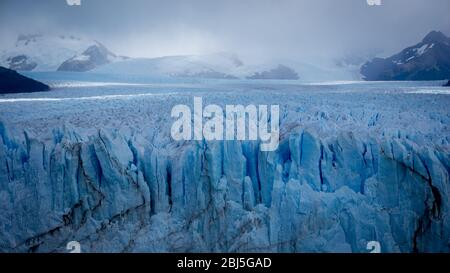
[{"x": 260, "y": 29}]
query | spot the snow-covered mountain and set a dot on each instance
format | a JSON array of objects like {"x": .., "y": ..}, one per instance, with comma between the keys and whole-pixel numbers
[
  {"x": 224, "y": 66},
  {"x": 69, "y": 53},
  {"x": 218, "y": 66},
  {"x": 96, "y": 55},
  {"x": 427, "y": 60},
  {"x": 47, "y": 52}
]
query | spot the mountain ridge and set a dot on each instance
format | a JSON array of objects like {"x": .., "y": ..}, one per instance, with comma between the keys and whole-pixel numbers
[
  {"x": 37, "y": 52},
  {"x": 427, "y": 60}
]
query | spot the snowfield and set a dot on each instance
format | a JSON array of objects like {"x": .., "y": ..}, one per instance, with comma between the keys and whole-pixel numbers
[
  {"x": 35, "y": 48},
  {"x": 94, "y": 162}
]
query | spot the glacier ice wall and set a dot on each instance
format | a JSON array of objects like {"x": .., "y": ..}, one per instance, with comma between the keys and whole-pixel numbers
[{"x": 117, "y": 193}]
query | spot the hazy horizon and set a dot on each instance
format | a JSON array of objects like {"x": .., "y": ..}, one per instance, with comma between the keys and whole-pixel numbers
[{"x": 310, "y": 31}]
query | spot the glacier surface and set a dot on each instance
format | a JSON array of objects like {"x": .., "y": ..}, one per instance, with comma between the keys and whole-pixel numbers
[{"x": 356, "y": 163}]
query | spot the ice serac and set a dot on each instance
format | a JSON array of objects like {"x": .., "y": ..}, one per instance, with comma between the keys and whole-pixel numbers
[{"x": 115, "y": 193}]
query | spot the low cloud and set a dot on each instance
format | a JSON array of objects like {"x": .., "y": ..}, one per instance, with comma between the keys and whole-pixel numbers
[{"x": 254, "y": 29}]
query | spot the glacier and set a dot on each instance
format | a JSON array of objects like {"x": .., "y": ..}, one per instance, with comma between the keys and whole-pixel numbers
[{"x": 352, "y": 167}]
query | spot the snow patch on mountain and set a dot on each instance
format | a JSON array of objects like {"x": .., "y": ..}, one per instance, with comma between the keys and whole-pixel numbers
[
  {"x": 94, "y": 56},
  {"x": 427, "y": 60},
  {"x": 43, "y": 52}
]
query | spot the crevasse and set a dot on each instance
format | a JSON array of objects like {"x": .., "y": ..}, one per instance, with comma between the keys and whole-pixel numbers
[{"x": 113, "y": 193}]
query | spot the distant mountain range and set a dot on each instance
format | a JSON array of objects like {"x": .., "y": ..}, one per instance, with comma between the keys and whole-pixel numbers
[
  {"x": 70, "y": 53},
  {"x": 50, "y": 53},
  {"x": 222, "y": 65},
  {"x": 427, "y": 60}
]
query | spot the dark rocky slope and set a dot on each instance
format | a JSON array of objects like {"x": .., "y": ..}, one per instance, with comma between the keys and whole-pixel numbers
[{"x": 13, "y": 82}]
